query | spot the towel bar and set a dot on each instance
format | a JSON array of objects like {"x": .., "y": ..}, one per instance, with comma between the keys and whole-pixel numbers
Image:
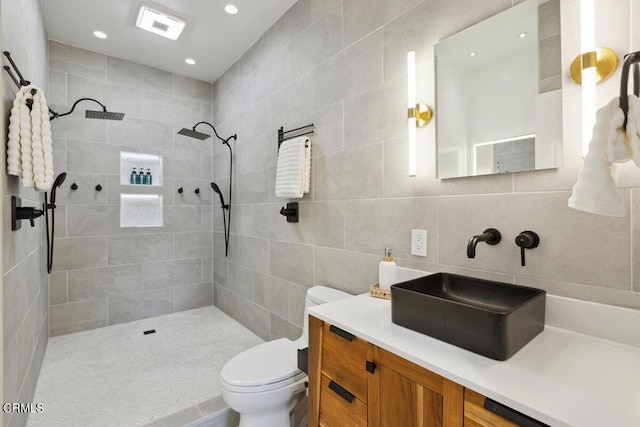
[
  {"x": 632, "y": 58},
  {"x": 282, "y": 137}
]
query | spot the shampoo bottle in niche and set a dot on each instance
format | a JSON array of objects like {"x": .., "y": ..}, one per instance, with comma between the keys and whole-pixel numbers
[{"x": 387, "y": 271}]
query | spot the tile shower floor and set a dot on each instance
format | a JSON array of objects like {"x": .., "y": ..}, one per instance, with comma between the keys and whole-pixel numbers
[{"x": 116, "y": 376}]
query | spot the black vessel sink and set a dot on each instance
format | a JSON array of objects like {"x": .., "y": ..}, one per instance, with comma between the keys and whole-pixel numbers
[{"x": 489, "y": 318}]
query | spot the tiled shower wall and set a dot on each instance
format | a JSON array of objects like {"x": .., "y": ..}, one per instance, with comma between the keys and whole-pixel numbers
[
  {"x": 342, "y": 66},
  {"x": 24, "y": 275},
  {"x": 104, "y": 274}
]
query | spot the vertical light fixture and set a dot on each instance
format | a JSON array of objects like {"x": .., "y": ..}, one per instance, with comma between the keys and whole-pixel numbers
[
  {"x": 419, "y": 115},
  {"x": 589, "y": 66},
  {"x": 411, "y": 104},
  {"x": 592, "y": 67}
]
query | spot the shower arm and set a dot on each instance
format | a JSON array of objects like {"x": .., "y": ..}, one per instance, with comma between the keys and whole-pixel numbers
[
  {"x": 224, "y": 141},
  {"x": 55, "y": 115}
]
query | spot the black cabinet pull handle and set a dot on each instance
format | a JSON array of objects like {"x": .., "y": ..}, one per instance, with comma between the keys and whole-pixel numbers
[
  {"x": 370, "y": 367},
  {"x": 511, "y": 414},
  {"x": 341, "y": 391},
  {"x": 344, "y": 334}
]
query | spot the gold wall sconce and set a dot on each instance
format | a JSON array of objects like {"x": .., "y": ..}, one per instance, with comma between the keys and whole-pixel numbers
[
  {"x": 419, "y": 115},
  {"x": 603, "y": 59}
]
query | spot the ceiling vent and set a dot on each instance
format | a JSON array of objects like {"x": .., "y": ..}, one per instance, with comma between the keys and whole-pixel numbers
[{"x": 160, "y": 22}]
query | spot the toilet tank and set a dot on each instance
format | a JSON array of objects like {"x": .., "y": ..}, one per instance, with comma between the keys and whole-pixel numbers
[{"x": 317, "y": 295}]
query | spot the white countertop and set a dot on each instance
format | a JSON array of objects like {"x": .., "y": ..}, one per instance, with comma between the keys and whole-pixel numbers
[{"x": 562, "y": 378}]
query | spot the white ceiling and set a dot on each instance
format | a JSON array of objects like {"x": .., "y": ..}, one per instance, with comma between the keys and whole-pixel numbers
[{"x": 212, "y": 37}]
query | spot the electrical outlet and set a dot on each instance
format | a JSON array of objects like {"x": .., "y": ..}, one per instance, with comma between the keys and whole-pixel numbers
[{"x": 419, "y": 242}]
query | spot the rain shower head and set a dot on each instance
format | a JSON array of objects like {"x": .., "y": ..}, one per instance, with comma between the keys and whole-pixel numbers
[
  {"x": 103, "y": 115},
  {"x": 193, "y": 133},
  {"x": 217, "y": 190},
  {"x": 90, "y": 114}
]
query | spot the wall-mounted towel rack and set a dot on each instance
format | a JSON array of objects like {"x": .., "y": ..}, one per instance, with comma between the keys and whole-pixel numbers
[
  {"x": 18, "y": 82},
  {"x": 630, "y": 59},
  {"x": 282, "y": 134}
]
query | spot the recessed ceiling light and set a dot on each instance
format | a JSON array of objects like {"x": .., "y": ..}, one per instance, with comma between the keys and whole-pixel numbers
[
  {"x": 231, "y": 9},
  {"x": 472, "y": 54},
  {"x": 190, "y": 61},
  {"x": 100, "y": 34},
  {"x": 159, "y": 22},
  {"x": 522, "y": 35}
]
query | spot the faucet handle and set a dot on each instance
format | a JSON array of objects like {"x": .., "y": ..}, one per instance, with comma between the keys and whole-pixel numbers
[{"x": 526, "y": 240}]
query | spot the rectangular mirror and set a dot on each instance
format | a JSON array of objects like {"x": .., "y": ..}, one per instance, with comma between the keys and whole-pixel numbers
[{"x": 499, "y": 94}]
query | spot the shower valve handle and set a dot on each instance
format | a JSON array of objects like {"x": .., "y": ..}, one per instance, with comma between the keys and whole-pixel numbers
[{"x": 526, "y": 240}]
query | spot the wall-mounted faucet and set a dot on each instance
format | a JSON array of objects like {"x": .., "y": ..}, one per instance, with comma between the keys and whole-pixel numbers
[{"x": 491, "y": 236}]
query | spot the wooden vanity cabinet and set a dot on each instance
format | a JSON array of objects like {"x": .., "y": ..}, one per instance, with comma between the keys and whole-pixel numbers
[
  {"x": 355, "y": 383},
  {"x": 475, "y": 414}
]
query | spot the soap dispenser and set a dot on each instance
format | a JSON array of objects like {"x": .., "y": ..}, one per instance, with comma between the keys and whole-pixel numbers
[{"x": 387, "y": 271}]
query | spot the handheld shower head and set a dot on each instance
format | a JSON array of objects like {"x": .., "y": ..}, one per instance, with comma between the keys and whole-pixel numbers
[
  {"x": 56, "y": 184},
  {"x": 217, "y": 190}
]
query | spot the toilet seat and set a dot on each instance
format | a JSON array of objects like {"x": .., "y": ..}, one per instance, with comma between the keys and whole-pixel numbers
[{"x": 265, "y": 367}]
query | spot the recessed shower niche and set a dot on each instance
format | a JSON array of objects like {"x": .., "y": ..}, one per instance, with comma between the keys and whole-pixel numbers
[{"x": 141, "y": 170}]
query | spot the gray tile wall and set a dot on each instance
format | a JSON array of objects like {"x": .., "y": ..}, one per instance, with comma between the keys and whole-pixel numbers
[
  {"x": 25, "y": 283},
  {"x": 342, "y": 66},
  {"x": 104, "y": 274}
]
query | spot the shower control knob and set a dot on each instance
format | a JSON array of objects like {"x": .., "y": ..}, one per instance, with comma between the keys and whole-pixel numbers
[
  {"x": 180, "y": 190},
  {"x": 98, "y": 187},
  {"x": 74, "y": 186},
  {"x": 197, "y": 191}
]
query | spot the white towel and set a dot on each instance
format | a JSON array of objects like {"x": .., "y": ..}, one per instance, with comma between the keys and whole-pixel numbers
[
  {"x": 293, "y": 176},
  {"x": 14, "y": 159},
  {"x": 29, "y": 149},
  {"x": 595, "y": 191}
]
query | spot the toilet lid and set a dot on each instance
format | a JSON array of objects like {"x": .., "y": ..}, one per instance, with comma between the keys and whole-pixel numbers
[
  {"x": 267, "y": 363},
  {"x": 322, "y": 294}
]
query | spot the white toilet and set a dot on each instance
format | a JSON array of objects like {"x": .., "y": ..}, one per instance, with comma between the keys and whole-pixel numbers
[{"x": 263, "y": 384}]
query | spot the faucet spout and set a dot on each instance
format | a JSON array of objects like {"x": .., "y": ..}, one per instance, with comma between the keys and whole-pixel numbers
[{"x": 491, "y": 236}]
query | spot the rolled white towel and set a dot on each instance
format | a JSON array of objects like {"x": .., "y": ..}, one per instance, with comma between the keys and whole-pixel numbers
[
  {"x": 42, "y": 142},
  {"x": 618, "y": 148},
  {"x": 14, "y": 157},
  {"x": 37, "y": 155},
  {"x": 25, "y": 145},
  {"x": 633, "y": 129},
  {"x": 595, "y": 191}
]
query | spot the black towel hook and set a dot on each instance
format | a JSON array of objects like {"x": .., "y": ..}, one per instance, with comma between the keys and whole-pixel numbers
[{"x": 632, "y": 58}]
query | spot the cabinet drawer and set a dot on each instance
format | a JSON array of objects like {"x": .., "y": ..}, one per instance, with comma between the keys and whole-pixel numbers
[
  {"x": 339, "y": 407},
  {"x": 344, "y": 358},
  {"x": 475, "y": 414}
]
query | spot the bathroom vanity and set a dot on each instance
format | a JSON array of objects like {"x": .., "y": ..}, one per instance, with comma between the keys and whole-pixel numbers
[{"x": 365, "y": 370}]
